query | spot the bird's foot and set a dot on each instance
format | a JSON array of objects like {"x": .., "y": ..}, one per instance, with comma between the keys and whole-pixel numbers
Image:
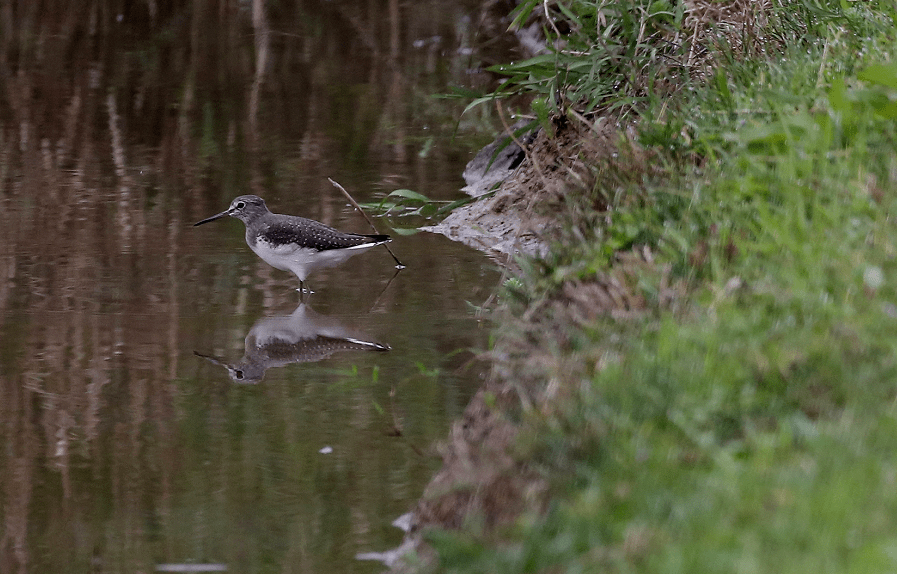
[{"x": 304, "y": 290}]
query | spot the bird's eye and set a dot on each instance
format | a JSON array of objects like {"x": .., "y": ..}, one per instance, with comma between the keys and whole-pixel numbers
[
  {"x": 240, "y": 205},
  {"x": 238, "y": 375}
]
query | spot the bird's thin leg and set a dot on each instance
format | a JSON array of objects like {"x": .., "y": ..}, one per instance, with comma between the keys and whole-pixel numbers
[{"x": 388, "y": 283}]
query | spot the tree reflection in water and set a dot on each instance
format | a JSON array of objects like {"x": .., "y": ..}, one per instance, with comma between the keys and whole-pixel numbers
[{"x": 122, "y": 123}]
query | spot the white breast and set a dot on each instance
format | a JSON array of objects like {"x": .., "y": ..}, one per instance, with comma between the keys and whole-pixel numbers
[{"x": 302, "y": 261}]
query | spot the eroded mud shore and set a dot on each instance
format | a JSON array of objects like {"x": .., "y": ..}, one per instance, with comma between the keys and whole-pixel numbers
[{"x": 524, "y": 201}]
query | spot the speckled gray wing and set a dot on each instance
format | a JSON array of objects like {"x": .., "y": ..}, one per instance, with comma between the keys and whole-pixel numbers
[{"x": 310, "y": 234}]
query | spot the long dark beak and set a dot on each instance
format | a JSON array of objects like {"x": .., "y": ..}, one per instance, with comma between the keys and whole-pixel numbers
[
  {"x": 211, "y": 359},
  {"x": 213, "y": 218}
]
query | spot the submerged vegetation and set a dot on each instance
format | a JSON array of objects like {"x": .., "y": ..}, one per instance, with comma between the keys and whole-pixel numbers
[{"x": 703, "y": 366}]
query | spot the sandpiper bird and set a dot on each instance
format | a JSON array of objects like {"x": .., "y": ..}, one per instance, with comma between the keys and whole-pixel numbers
[{"x": 292, "y": 243}]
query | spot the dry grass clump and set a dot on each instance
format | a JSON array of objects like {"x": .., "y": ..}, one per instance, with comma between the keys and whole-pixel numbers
[{"x": 739, "y": 25}]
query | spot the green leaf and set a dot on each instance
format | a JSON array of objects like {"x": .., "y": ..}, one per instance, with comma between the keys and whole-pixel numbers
[
  {"x": 448, "y": 208},
  {"x": 427, "y": 210},
  {"x": 881, "y": 74},
  {"x": 459, "y": 92},
  {"x": 541, "y": 108},
  {"x": 544, "y": 62},
  {"x": 887, "y": 110},
  {"x": 522, "y": 13},
  {"x": 406, "y": 230},
  {"x": 722, "y": 85},
  {"x": 477, "y": 102},
  {"x": 409, "y": 194},
  {"x": 837, "y": 96}
]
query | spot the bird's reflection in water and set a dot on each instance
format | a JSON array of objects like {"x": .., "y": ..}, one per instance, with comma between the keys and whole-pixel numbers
[{"x": 303, "y": 336}]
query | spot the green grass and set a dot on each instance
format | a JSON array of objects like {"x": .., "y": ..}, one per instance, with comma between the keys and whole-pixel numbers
[{"x": 753, "y": 428}]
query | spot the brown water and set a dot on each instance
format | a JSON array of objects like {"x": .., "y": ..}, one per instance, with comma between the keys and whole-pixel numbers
[{"x": 122, "y": 449}]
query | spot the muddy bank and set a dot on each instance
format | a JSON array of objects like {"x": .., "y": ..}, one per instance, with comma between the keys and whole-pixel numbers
[
  {"x": 526, "y": 192},
  {"x": 534, "y": 193},
  {"x": 524, "y": 185}
]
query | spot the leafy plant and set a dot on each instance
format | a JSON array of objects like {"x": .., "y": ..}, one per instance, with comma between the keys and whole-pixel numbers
[
  {"x": 609, "y": 54},
  {"x": 408, "y": 203}
]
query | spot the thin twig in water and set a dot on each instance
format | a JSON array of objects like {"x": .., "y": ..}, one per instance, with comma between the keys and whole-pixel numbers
[{"x": 399, "y": 264}]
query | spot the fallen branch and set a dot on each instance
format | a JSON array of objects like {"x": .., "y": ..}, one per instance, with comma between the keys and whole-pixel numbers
[{"x": 399, "y": 264}]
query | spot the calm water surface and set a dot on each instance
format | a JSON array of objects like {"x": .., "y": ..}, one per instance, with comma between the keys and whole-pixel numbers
[{"x": 126, "y": 444}]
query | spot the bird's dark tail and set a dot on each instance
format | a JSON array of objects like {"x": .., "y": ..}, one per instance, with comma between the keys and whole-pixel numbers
[{"x": 378, "y": 238}]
